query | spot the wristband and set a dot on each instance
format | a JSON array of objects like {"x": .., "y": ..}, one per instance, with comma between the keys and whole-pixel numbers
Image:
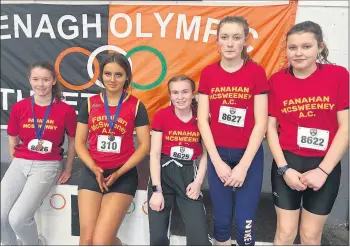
[
  {"x": 157, "y": 188},
  {"x": 323, "y": 171}
]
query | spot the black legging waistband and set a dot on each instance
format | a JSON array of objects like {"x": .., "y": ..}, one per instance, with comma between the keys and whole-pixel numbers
[{"x": 165, "y": 158}]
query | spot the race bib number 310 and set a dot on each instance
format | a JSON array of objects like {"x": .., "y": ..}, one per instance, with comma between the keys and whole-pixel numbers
[
  {"x": 232, "y": 116},
  {"x": 313, "y": 138},
  {"x": 110, "y": 144},
  {"x": 181, "y": 153}
]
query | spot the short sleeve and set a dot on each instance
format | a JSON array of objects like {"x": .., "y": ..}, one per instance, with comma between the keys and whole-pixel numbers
[
  {"x": 13, "y": 123},
  {"x": 343, "y": 90},
  {"x": 271, "y": 100},
  {"x": 157, "y": 123},
  {"x": 141, "y": 116},
  {"x": 83, "y": 114},
  {"x": 70, "y": 121},
  {"x": 203, "y": 87},
  {"x": 261, "y": 84}
]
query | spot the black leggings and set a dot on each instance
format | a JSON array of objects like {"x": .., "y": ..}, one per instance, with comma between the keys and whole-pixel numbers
[
  {"x": 175, "y": 180},
  {"x": 317, "y": 202}
]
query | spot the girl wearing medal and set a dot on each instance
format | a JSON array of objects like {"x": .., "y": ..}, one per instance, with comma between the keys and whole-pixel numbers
[
  {"x": 174, "y": 178},
  {"x": 309, "y": 102},
  {"x": 232, "y": 119},
  {"x": 36, "y": 130},
  {"x": 109, "y": 181}
]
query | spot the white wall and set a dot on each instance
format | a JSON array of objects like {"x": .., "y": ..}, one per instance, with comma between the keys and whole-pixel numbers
[{"x": 334, "y": 23}]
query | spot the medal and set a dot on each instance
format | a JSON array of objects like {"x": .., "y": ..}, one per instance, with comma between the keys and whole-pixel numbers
[
  {"x": 111, "y": 122},
  {"x": 39, "y": 147},
  {"x": 39, "y": 132}
]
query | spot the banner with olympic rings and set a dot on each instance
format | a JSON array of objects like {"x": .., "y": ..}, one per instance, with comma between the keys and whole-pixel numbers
[{"x": 160, "y": 41}]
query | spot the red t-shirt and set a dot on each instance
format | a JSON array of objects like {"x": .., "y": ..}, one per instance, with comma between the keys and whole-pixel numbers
[
  {"x": 235, "y": 92},
  {"x": 177, "y": 133},
  {"x": 312, "y": 103},
  {"x": 62, "y": 119},
  {"x": 98, "y": 126}
]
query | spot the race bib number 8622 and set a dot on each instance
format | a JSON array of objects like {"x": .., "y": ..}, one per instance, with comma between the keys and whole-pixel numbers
[{"x": 313, "y": 138}]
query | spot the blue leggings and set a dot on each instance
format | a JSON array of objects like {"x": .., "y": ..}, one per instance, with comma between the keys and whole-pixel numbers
[{"x": 247, "y": 197}]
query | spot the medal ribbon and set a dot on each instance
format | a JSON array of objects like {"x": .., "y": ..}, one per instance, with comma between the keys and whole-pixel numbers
[
  {"x": 116, "y": 114},
  {"x": 39, "y": 133}
]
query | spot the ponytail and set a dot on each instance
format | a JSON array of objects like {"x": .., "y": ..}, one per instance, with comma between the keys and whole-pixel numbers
[{"x": 194, "y": 105}]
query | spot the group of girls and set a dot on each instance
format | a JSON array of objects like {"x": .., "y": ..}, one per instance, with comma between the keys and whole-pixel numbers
[{"x": 302, "y": 110}]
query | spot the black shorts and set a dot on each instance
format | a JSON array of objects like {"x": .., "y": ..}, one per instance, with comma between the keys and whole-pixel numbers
[
  {"x": 126, "y": 184},
  {"x": 317, "y": 202}
]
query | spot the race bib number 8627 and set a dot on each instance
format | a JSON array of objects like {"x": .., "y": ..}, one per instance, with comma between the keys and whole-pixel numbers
[{"x": 232, "y": 116}]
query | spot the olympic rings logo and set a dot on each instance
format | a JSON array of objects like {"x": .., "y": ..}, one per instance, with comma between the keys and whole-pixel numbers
[
  {"x": 131, "y": 208},
  {"x": 53, "y": 204},
  {"x": 56, "y": 201},
  {"x": 145, "y": 207},
  {"x": 93, "y": 61}
]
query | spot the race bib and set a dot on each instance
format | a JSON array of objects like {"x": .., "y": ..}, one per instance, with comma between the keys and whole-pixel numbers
[
  {"x": 182, "y": 153},
  {"x": 232, "y": 116},
  {"x": 313, "y": 138},
  {"x": 110, "y": 144},
  {"x": 40, "y": 146}
]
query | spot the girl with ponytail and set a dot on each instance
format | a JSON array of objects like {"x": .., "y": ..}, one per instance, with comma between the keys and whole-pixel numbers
[
  {"x": 175, "y": 145},
  {"x": 232, "y": 118},
  {"x": 37, "y": 128},
  {"x": 309, "y": 101}
]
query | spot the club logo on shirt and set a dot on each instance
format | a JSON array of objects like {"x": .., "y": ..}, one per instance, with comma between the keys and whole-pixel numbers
[
  {"x": 182, "y": 149},
  {"x": 313, "y": 132},
  {"x": 95, "y": 105},
  {"x": 232, "y": 111}
]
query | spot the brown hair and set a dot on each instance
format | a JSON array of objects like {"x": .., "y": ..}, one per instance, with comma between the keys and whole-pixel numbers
[
  {"x": 192, "y": 83},
  {"x": 56, "y": 89},
  {"x": 123, "y": 62},
  {"x": 244, "y": 23},
  {"x": 316, "y": 30}
]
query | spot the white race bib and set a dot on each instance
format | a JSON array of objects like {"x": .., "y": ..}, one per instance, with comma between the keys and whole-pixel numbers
[
  {"x": 232, "y": 116},
  {"x": 40, "y": 146},
  {"x": 182, "y": 153},
  {"x": 313, "y": 138},
  {"x": 110, "y": 144}
]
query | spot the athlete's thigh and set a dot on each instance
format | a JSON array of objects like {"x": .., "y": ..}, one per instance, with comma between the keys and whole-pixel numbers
[
  {"x": 194, "y": 217},
  {"x": 311, "y": 225},
  {"x": 287, "y": 220},
  {"x": 114, "y": 207},
  {"x": 89, "y": 203},
  {"x": 283, "y": 196},
  {"x": 248, "y": 196},
  {"x": 321, "y": 202}
]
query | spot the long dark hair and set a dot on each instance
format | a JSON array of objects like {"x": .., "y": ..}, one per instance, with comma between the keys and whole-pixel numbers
[
  {"x": 316, "y": 30},
  {"x": 123, "y": 62},
  {"x": 193, "y": 87},
  {"x": 244, "y": 23},
  {"x": 56, "y": 89}
]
